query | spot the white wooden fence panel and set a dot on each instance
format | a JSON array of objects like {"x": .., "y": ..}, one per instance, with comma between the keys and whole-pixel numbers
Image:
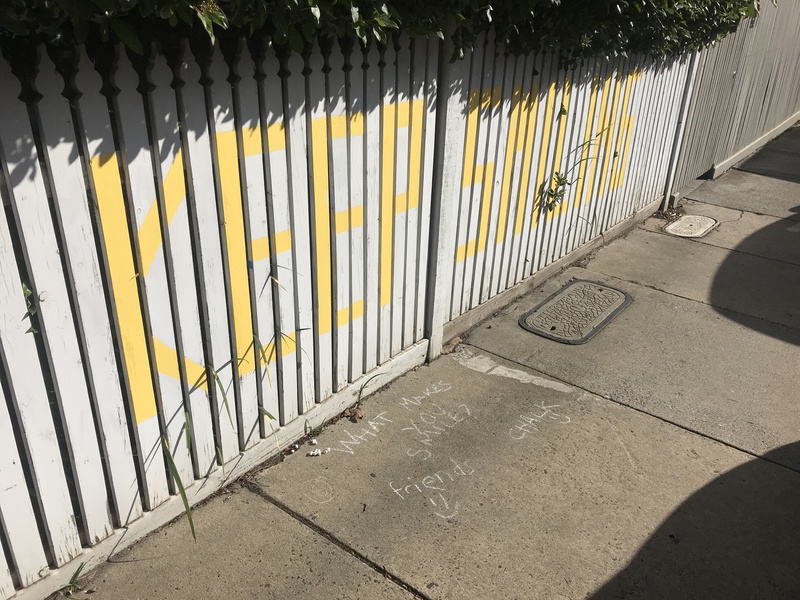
[
  {"x": 6, "y": 583},
  {"x": 478, "y": 205},
  {"x": 112, "y": 215},
  {"x": 50, "y": 300},
  {"x": 260, "y": 248},
  {"x": 29, "y": 395},
  {"x": 228, "y": 203},
  {"x": 416, "y": 74},
  {"x": 72, "y": 208},
  {"x": 297, "y": 141},
  {"x": 16, "y": 512},
  {"x": 428, "y": 94},
  {"x": 492, "y": 173},
  {"x": 251, "y": 176},
  {"x": 286, "y": 225},
  {"x": 320, "y": 161},
  {"x": 204, "y": 227},
  {"x": 138, "y": 167},
  {"x": 512, "y": 175},
  {"x": 341, "y": 217},
  {"x": 356, "y": 138},
  {"x": 506, "y": 154},
  {"x": 372, "y": 205},
  {"x": 527, "y": 196},
  {"x": 281, "y": 283},
  {"x": 179, "y": 255},
  {"x": 387, "y": 196},
  {"x": 400, "y": 208}
]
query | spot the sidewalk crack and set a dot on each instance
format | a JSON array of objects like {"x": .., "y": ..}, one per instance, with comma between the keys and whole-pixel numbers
[
  {"x": 254, "y": 488},
  {"x": 642, "y": 411}
]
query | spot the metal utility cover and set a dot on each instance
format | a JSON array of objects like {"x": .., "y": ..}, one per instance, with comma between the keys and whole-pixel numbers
[
  {"x": 575, "y": 313},
  {"x": 691, "y": 226}
]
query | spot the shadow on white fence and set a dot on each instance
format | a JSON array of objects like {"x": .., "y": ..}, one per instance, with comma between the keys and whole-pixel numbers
[{"x": 196, "y": 240}]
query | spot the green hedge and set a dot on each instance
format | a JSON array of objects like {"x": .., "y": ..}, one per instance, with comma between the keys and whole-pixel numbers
[{"x": 576, "y": 27}]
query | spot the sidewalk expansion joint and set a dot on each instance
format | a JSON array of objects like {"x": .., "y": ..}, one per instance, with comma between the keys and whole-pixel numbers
[
  {"x": 705, "y": 242},
  {"x": 654, "y": 288},
  {"x": 643, "y": 411},
  {"x": 256, "y": 489}
]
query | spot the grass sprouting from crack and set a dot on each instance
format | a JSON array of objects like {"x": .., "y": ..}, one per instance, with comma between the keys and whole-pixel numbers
[{"x": 173, "y": 471}]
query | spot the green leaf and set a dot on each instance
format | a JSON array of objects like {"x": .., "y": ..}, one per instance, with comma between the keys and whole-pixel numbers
[
  {"x": 187, "y": 427},
  {"x": 173, "y": 470},
  {"x": 270, "y": 419},
  {"x": 209, "y": 26},
  {"x": 127, "y": 35},
  {"x": 296, "y": 42},
  {"x": 224, "y": 396}
]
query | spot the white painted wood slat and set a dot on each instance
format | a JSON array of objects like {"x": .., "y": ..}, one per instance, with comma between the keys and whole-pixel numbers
[
  {"x": 50, "y": 298},
  {"x": 319, "y": 215},
  {"x": 302, "y": 271},
  {"x": 372, "y": 205},
  {"x": 282, "y": 278},
  {"x": 255, "y": 144},
  {"x": 227, "y": 215},
  {"x": 17, "y": 519},
  {"x": 138, "y": 168},
  {"x": 204, "y": 225},
  {"x": 170, "y": 164},
  {"x": 245, "y": 107},
  {"x": 30, "y": 398},
  {"x": 428, "y": 94},
  {"x": 342, "y": 220},
  {"x": 356, "y": 132},
  {"x": 112, "y": 216},
  {"x": 6, "y": 583},
  {"x": 400, "y": 210},
  {"x": 69, "y": 197}
]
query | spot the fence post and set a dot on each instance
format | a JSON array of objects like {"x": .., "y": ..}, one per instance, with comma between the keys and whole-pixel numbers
[
  {"x": 447, "y": 163},
  {"x": 677, "y": 143}
]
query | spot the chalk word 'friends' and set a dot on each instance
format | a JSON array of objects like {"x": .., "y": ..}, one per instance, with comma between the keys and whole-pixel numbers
[
  {"x": 414, "y": 401},
  {"x": 528, "y": 423},
  {"x": 436, "y": 482},
  {"x": 375, "y": 424}
]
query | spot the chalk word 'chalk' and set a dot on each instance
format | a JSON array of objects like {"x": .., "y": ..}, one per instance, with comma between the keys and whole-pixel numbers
[{"x": 528, "y": 423}]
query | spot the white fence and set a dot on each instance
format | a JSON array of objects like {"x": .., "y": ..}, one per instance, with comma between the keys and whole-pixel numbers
[
  {"x": 747, "y": 91},
  {"x": 193, "y": 241}
]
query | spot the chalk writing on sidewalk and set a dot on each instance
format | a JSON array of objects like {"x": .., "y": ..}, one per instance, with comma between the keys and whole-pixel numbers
[
  {"x": 531, "y": 421},
  {"x": 415, "y": 401},
  {"x": 436, "y": 487},
  {"x": 321, "y": 490},
  {"x": 432, "y": 422},
  {"x": 372, "y": 429}
]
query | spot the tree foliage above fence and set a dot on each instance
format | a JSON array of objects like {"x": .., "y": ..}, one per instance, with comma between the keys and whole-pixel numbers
[{"x": 576, "y": 27}]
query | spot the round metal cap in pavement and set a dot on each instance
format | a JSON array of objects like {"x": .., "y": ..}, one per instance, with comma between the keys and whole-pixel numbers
[{"x": 691, "y": 226}]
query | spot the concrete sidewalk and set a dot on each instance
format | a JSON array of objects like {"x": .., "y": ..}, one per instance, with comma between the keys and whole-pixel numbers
[{"x": 659, "y": 460}]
